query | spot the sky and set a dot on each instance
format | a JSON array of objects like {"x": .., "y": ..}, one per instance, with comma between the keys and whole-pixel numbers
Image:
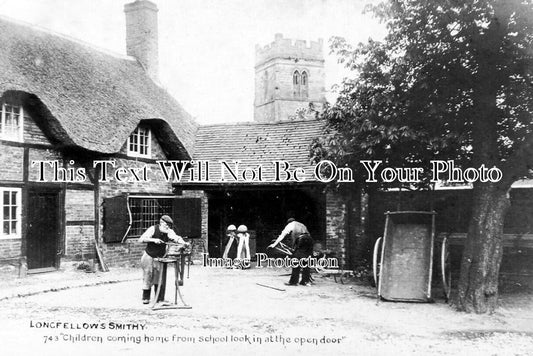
[{"x": 207, "y": 47}]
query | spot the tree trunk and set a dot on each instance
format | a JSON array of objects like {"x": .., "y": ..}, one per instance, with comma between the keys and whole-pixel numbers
[{"x": 482, "y": 255}]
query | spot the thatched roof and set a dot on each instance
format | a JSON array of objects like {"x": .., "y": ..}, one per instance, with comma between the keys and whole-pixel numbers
[
  {"x": 90, "y": 99},
  {"x": 258, "y": 144}
]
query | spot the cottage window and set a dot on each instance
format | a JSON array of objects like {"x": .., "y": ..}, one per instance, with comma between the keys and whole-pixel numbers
[
  {"x": 139, "y": 142},
  {"x": 11, "y": 122},
  {"x": 10, "y": 198}
]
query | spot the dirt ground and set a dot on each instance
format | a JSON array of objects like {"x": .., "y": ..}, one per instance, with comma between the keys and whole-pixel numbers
[{"x": 232, "y": 314}]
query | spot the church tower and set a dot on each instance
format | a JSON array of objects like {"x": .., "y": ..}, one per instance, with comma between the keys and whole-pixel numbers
[{"x": 289, "y": 76}]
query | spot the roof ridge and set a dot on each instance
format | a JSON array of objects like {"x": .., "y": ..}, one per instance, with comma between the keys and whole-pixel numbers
[
  {"x": 255, "y": 123},
  {"x": 66, "y": 37}
]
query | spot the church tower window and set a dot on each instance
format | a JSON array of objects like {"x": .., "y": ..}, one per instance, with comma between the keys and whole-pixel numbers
[
  {"x": 296, "y": 83},
  {"x": 305, "y": 85}
]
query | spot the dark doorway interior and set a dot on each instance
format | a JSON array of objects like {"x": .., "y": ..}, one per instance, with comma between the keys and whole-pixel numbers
[
  {"x": 265, "y": 212},
  {"x": 43, "y": 230}
]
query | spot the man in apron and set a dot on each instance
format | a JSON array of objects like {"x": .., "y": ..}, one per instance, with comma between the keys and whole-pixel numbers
[{"x": 156, "y": 237}]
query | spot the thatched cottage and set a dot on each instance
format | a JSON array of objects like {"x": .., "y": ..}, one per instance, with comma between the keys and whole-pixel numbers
[{"x": 82, "y": 131}]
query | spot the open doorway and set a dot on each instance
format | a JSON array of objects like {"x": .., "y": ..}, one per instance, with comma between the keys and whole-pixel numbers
[{"x": 265, "y": 212}]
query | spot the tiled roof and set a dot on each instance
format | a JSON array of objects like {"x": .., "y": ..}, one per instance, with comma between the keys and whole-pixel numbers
[
  {"x": 91, "y": 99},
  {"x": 256, "y": 144}
]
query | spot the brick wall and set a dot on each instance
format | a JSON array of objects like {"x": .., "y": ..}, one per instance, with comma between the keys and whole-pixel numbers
[
  {"x": 10, "y": 248},
  {"x": 141, "y": 35},
  {"x": 155, "y": 185},
  {"x": 79, "y": 232},
  {"x": 127, "y": 253},
  {"x": 43, "y": 155},
  {"x": 12, "y": 159},
  {"x": 79, "y": 205},
  {"x": 336, "y": 225},
  {"x": 80, "y": 242}
]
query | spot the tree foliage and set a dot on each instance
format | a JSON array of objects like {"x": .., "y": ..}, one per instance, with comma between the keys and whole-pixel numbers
[{"x": 415, "y": 96}]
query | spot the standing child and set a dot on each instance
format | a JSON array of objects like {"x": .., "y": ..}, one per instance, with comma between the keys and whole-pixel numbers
[
  {"x": 231, "y": 246},
  {"x": 243, "y": 251}
]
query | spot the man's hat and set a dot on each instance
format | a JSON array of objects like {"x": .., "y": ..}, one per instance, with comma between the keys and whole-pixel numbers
[
  {"x": 231, "y": 228},
  {"x": 290, "y": 220},
  {"x": 242, "y": 228},
  {"x": 167, "y": 219}
]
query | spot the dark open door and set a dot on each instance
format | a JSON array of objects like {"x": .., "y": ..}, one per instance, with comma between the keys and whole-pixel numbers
[
  {"x": 187, "y": 215},
  {"x": 43, "y": 229},
  {"x": 116, "y": 218}
]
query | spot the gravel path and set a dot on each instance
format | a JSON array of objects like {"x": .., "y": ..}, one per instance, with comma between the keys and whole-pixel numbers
[{"x": 232, "y": 313}]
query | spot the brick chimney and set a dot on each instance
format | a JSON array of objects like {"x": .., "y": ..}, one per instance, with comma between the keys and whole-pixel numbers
[{"x": 141, "y": 35}]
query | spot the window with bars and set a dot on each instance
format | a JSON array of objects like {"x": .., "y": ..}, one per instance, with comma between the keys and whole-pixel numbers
[
  {"x": 128, "y": 216},
  {"x": 11, "y": 122},
  {"x": 11, "y": 206},
  {"x": 139, "y": 142},
  {"x": 146, "y": 212}
]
